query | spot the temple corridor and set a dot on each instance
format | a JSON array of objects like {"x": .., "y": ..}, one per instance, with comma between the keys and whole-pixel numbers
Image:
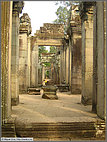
[{"x": 58, "y": 94}]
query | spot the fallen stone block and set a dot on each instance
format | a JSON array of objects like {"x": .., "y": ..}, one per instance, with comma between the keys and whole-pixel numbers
[
  {"x": 63, "y": 88},
  {"x": 34, "y": 91},
  {"x": 49, "y": 92}
]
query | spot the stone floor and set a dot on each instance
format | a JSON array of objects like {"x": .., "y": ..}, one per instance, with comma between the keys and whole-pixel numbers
[{"x": 68, "y": 108}]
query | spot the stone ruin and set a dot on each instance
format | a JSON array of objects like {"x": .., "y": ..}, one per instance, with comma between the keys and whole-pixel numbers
[
  {"x": 50, "y": 31},
  {"x": 25, "y": 23}
]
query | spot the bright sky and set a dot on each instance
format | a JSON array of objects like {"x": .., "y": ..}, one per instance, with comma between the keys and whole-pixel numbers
[{"x": 40, "y": 12}]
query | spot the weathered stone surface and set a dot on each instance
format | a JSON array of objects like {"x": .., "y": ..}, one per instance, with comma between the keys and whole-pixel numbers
[
  {"x": 34, "y": 91},
  {"x": 50, "y": 30},
  {"x": 49, "y": 92},
  {"x": 24, "y": 53},
  {"x": 63, "y": 87}
]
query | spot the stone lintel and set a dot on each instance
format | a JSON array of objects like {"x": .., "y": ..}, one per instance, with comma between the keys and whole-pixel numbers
[{"x": 24, "y": 30}]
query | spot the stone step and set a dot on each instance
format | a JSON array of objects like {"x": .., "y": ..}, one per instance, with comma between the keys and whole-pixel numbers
[
  {"x": 73, "y": 130},
  {"x": 8, "y": 130},
  {"x": 57, "y": 134}
]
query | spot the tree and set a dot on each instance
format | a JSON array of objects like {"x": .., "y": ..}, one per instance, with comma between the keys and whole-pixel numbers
[
  {"x": 42, "y": 49},
  {"x": 63, "y": 12},
  {"x": 52, "y": 49}
]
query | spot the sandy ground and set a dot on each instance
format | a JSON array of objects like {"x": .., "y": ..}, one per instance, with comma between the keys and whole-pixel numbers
[{"x": 68, "y": 108}]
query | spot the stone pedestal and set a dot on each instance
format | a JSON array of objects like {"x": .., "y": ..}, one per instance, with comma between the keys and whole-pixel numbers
[
  {"x": 34, "y": 91},
  {"x": 49, "y": 92}
]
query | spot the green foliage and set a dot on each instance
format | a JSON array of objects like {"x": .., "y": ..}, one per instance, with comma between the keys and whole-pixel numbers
[
  {"x": 52, "y": 49},
  {"x": 63, "y": 12},
  {"x": 42, "y": 49},
  {"x": 47, "y": 64},
  {"x": 47, "y": 74}
]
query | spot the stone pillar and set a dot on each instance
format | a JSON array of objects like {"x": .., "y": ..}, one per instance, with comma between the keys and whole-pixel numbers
[
  {"x": 76, "y": 61},
  {"x": 70, "y": 63},
  {"x": 24, "y": 53},
  {"x": 87, "y": 56},
  {"x": 61, "y": 65},
  {"x": 6, "y": 30},
  {"x": 43, "y": 72},
  {"x": 64, "y": 63},
  {"x": 34, "y": 73},
  {"x": 29, "y": 60},
  {"x": 101, "y": 63},
  {"x": 67, "y": 65},
  {"x": 94, "y": 97},
  {"x": 17, "y": 8}
]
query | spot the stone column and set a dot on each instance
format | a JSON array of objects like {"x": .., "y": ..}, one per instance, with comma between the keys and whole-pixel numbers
[
  {"x": 24, "y": 53},
  {"x": 70, "y": 63},
  {"x": 67, "y": 64},
  {"x": 87, "y": 57},
  {"x": 34, "y": 73},
  {"x": 17, "y": 8},
  {"x": 64, "y": 62},
  {"x": 43, "y": 72},
  {"x": 76, "y": 61},
  {"x": 101, "y": 63},
  {"x": 6, "y": 30},
  {"x": 29, "y": 60},
  {"x": 94, "y": 97},
  {"x": 61, "y": 65}
]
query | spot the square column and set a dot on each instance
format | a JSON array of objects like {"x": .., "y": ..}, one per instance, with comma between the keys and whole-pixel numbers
[
  {"x": 87, "y": 59},
  {"x": 17, "y": 8},
  {"x": 6, "y": 31},
  {"x": 29, "y": 61},
  {"x": 23, "y": 63},
  {"x": 61, "y": 65},
  {"x": 101, "y": 61},
  {"x": 67, "y": 64},
  {"x": 43, "y": 73},
  {"x": 15, "y": 59},
  {"x": 34, "y": 70}
]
